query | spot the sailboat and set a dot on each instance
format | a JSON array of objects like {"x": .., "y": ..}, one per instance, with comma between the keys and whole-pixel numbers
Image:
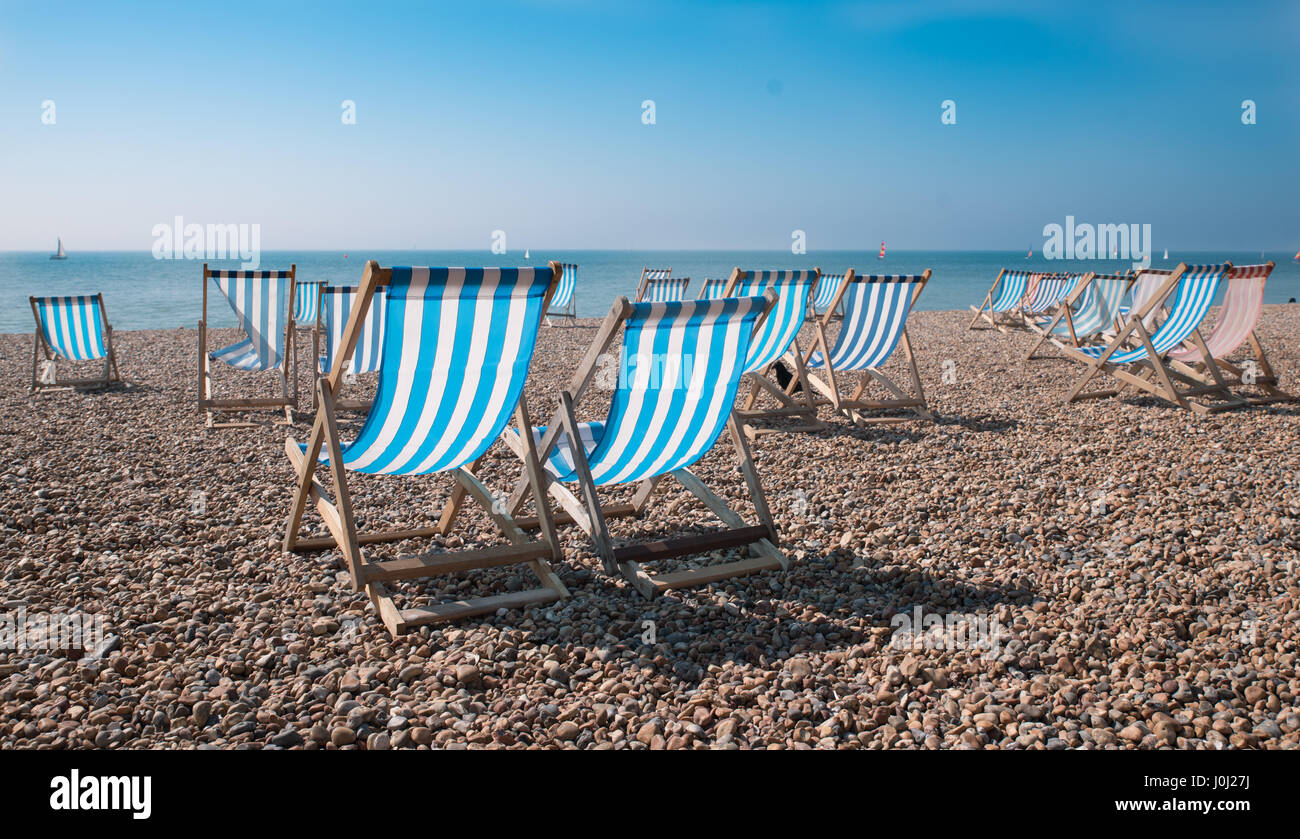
[
  {"x": 526, "y": 253},
  {"x": 1030, "y": 255},
  {"x": 1166, "y": 253},
  {"x": 1297, "y": 256},
  {"x": 62, "y": 254},
  {"x": 881, "y": 255}
]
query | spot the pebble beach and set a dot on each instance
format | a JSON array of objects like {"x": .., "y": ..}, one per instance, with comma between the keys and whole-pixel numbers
[{"x": 1138, "y": 563}]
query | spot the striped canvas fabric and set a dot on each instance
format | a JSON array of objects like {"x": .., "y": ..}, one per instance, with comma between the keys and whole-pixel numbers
[
  {"x": 824, "y": 293},
  {"x": 783, "y": 323},
  {"x": 456, "y": 350},
  {"x": 563, "y": 295},
  {"x": 338, "y": 302},
  {"x": 1097, "y": 308},
  {"x": 682, "y": 363},
  {"x": 306, "y": 304},
  {"x": 666, "y": 290},
  {"x": 657, "y": 273},
  {"x": 1242, "y": 304},
  {"x": 1011, "y": 290},
  {"x": 1048, "y": 293},
  {"x": 73, "y": 327},
  {"x": 258, "y": 300},
  {"x": 1192, "y": 300},
  {"x": 1147, "y": 284},
  {"x": 712, "y": 289},
  {"x": 875, "y": 314}
]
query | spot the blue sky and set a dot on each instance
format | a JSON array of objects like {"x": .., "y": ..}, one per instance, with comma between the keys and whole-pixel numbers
[{"x": 770, "y": 117}]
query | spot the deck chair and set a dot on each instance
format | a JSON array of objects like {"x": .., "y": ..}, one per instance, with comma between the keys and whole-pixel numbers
[
  {"x": 681, "y": 366},
  {"x": 666, "y": 290},
  {"x": 1243, "y": 302},
  {"x": 1003, "y": 299},
  {"x": 874, "y": 324},
  {"x": 777, "y": 341},
  {"x": 824, "y": 294},
  {"x": 337, "y": 303},
  {"x": 650, "y": 275},
  {"x": 1047, "y": 294},
  {"x": 258, "y": 301},
  {"x": 1145, "y": 366},
  {"x": 74, "y": 329},
  {"x": 306, "y": 318},
  {"x": 563, "y": 304},
  {"x": 1091, "y": 308},
  {"x": 712, "y": 289},
  {"x": 456, "y": 350}
]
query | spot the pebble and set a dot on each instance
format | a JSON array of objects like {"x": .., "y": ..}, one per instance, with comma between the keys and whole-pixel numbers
[{"x": 1140, "y": 563}]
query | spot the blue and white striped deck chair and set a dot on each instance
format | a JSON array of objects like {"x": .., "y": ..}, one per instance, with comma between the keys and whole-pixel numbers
[
  {"x": 263, "y": 302},
  {"x": 1091, "y": 308},
  {"x": 648, "y": 275},
  {"x": 1048, "y": 293},
  {"x": 874, "y": 325},
  {"x": 712, "y": 289},
  {"x": 337, "y": 303},
  {"x": 667, "y": 290},
  {"x": 1004, "y": 298},
  {"x": 306, "y": 318},
  {"x": 563, "y": 304},
  {"x": 306, "y": 304},
  {"x": 828, "y": 286},
  {"x": 778, "y": 341},
  {"x": 456, "y": 349},
  {"x": 73, "y": 328},
  {"x": 680, "y": 368},
  {"x": 1144, "y": 365}
]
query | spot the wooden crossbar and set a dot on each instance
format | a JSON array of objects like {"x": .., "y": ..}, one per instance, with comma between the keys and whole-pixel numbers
[{"x": 703, "y": 543}]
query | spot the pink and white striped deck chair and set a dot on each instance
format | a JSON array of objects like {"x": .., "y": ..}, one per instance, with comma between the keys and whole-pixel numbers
[{"x": 1243, "y": 302}]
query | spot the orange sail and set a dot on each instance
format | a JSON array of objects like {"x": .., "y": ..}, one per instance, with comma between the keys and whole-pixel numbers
[{"x": 881, "y": 255}]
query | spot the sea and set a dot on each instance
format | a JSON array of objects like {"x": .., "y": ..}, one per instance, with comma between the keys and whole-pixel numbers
[{"x": 143, "y": 292}]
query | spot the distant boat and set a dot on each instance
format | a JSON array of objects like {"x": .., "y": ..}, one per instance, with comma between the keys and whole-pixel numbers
[
  {"x": 1166, "y": 253},
  {"x": 1114, "y": 253},
  {"x": 881, "y": 255},
  {"x": 1030, "y": 255},
  {"x": 525, "y": 253},
  {"x": 1297, "y": 256},
  {"x": 62, "y": 254}
]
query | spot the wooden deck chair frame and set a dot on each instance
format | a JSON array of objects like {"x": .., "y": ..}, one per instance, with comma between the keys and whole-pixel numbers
[
  {"x": 340, "y": 403},
  {"x": 812, "y": 298},
  {"x": 108, "y": 377},
  {"x": 992, "y": 316},
  {"x": 641, "y": 283},
  {"x": 1064, "y": 312},
  {"x": 373, "y": 577},
  {"x": 314, "y": 330},
  {"x": 795, "y": 401},
  {"x": 1155, "y": 374},
  {"x": 859, "y": 411},
  {"x": 1263, "y": 377},
  {"x": 570, "y": 311},
  {"x": 288, "y": 402},
  {"x": 590, "y": 515}
]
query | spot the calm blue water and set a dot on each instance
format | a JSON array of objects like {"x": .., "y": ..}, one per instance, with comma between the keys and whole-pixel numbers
[{"x": 141, "y": 292}]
